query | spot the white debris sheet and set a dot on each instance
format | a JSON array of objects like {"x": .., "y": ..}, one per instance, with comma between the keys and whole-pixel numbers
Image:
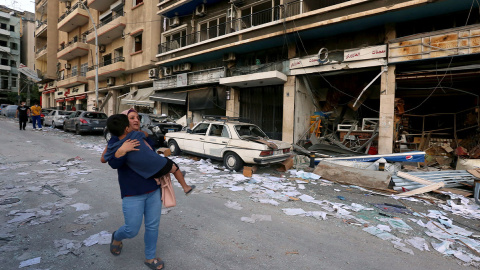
[{"x": 30, "y": 262}]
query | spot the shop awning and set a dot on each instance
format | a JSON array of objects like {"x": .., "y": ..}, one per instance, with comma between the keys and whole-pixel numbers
[
  {"x": 60, "y": 100},
  {"x": 255, "y": 79},
  {"x": 81, "y": 97},
  {"x": 170, "y": 97},
  {"x": 70, "y": 98},
  {"x": 139, "y": 98}
]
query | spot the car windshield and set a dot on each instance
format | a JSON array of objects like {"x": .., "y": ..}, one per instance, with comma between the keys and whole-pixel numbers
[
  {"x": 249, "y": 131},
  {"x": 63, "y": 113},
  {"x": 92, "y": 115}
]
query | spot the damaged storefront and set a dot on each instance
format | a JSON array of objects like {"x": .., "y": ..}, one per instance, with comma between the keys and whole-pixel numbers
[
  {"x": 337, "y": 100},
  {"x": 437, "y": 99},
  {"x": 191, "y": 94}
]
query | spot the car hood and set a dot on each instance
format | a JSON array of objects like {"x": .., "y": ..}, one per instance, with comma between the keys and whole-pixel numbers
[{"x": 264, "y": 144}]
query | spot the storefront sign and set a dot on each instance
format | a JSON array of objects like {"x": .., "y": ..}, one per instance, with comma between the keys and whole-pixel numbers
[
  {"x": 365, "y": 53},
  {"x": 182, "y": 80},
  {"x": 190, "y": 78},
  {"x": 304, "y": 62}
]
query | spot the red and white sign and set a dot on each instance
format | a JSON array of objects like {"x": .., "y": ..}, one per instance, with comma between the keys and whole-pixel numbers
[
  {"x": 304, "y": 62},
  {"x": 365, "y": 53}
]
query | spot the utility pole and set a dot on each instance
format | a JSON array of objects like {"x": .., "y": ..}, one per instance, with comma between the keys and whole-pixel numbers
[{"x": 28, "y": 94}]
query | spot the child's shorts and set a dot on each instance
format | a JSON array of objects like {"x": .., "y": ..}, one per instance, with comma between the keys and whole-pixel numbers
[{"x": 166, "y": 169}]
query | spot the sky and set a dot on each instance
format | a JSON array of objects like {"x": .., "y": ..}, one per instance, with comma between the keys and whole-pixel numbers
[{"x": 21, "y": 5}]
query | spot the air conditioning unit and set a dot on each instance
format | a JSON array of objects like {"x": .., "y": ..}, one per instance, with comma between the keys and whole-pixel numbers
[
  {"x": 176, "y": 68},
  {"x": 231, "y": 13},
  {"x": 229, "y": 57},
  {"x": 68, "y": 4},
  {"x": 110, "y": 81},
  {"x": 185, "y": 67},
  {"x": 153, "y": 73},
  {"x": 167, "y": 71},
  {"x": 68, "y": 66},
  {"x": 174, "y": 22},
  {"x": 101, "y": 48},
  {"x": 200, "y": 11}
]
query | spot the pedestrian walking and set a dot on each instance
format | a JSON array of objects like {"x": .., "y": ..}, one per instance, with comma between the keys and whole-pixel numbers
[
  {"x": 36, "y": 118},
  {"x": 23, "y": 112}
]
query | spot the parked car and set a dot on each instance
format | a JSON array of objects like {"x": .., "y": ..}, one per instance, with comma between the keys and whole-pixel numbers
[
  {"x": 9, "y": 111},
  {"x": 85, "y": 121},
  {"x": 233, "y": 141},
  {"x": 3, "y": 106},
  {"x": 56, "y": 117},
  {"x": 156, "y": 127},
  {"x": 42, "y": 115}
]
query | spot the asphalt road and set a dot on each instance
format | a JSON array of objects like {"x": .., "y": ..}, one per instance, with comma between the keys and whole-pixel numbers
[{"x": 199, "y": 233}]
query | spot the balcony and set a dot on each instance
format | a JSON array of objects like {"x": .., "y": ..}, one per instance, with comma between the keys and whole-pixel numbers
[
  {"x": 71, "y": 80},
  {"x": 108, "y": 30},
  {"x": 41, "y": 54},
  {"x": 4, "y": 32},
  {"x": 40, "y": 3},
  {"x": 4, "y": 15},
  {"x": 75, "y": 48},
  {"x": 100, "y": 5},
  {"x": 110, "y": 68},
  {"x": 5, "y": 49},
  {"x": 75, "y": 17},
  {"x": 5, "y": 67},
  {"x": 41, "y": 30}
]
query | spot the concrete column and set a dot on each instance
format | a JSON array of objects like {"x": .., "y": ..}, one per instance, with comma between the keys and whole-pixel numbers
[
  {"x": 288, "y": 110},
  {"x": 112, "y": 102},
  {"x": 162, "y": 107},
  {"x": 387, "y": 111},
  {"x": 233, "y": 105}
]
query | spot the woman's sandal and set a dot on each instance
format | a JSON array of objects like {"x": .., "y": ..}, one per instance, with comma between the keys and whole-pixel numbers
[
  {"x": 190, "y": 191},
  {"x": 155, "y": 264},
  {"x": 115, "y": 249}
]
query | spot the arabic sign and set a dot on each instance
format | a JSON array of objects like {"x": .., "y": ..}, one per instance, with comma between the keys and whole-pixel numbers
[
  {"x": 365, "y": 53},
  {"x": 28, "y": 72},
  {"x": 189, "y": 79},
  {"x": 304, "y": 62}
]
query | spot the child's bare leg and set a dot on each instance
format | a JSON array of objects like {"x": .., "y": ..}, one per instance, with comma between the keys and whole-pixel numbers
[{"x": 179, "y": 176}]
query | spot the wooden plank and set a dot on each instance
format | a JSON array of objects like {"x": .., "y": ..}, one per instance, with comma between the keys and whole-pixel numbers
[
  {"x": 353, "y": 176},
  {"x": 457, "y": 191},
  {"x": 414, "y": 178},
  {"x": 424, "y": 189}
]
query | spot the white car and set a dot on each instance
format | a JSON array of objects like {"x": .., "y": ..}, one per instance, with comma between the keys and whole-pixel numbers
[
  {"x": 55, "y": 118},
  {"x": 234, "y": 142}
]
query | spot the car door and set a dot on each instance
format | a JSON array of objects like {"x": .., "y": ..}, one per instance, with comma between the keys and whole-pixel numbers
[
  {"x": 217, "y": 140},
  {"x": 196, "y": 138}
]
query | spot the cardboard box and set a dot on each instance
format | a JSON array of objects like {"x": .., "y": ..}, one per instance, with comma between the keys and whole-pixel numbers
[
  {"x": 286, "y": 165},
  {"x": 165, "y": 151},
  {"x": 249, "y": 171}
]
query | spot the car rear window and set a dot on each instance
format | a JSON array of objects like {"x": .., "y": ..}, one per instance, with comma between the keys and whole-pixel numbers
[
  {"x": 95, "y": 115},
  {"x": 63, "y": 113}
]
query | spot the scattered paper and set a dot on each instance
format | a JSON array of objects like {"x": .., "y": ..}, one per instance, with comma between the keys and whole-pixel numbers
[
  {"x": 30, "y": 262},
  {"x": 81, "y": 206},
  {"x": 233, "y": 205}
]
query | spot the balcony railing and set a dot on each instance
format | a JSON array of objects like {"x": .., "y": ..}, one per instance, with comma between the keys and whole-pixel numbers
[
  {"x": 41, "y": 49},
  {"x": 68, "y": 76},
  {"x": 77, "y": 5},
  {"x": 108, "y": 62},
  {"x": 40, "y": 24},
  {"x": 83, "y": 39},
  {"x": 104, "y": 22},
  {"x": 252, "y": 20}
]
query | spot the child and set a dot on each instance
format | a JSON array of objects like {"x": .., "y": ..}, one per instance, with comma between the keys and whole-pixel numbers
[{"x": 142, "y": 159}]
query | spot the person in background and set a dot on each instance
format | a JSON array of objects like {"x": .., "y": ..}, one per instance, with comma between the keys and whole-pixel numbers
[
  {"x": 23, "y": 112},
  {"x": 36, "y": 119},
  {"x": 73, "y": 108}
]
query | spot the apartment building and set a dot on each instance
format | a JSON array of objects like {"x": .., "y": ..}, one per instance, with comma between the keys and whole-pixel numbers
[
  {"x": 9, "y": 52},
  {"x": 126, "y": 32},
  {"x": 402, "y": 65}
]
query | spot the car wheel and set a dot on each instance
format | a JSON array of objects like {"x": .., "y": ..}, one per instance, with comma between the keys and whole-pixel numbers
[
  {"x": 64, "y": 127},
  {"x": 232, "y": 161},
  {"x": 53, "y": 124},
  {"x": 77, "y": 130},
  {"x": 174, "y": 149}
]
